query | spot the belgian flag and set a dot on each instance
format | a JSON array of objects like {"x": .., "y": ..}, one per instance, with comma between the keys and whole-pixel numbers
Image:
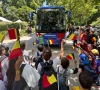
[
  {"x": 93, "y": 39},
  {"x": 51, "y": 41},
  {"x": 73, "y": 47},
  {"x": 70, "y": 56},
  {"x": 13, "y": 33},
  {"x": 16, "y": 51},
  {"x": 73, "y": 37},
  {"x": 48, "y": 80}
]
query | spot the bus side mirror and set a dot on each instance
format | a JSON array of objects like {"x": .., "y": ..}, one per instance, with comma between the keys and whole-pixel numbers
[
  {"x": 31, "y": 15},
  {"x": 69, "y": 14}
]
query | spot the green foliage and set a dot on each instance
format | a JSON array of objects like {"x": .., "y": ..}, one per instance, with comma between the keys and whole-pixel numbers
[
  {"x": 23, "y": 13},
  {"x": 82, "y": 10},
  {"x": 5, "y": 26},
  {"x": 12, "y": 13},
  {"x": 1, "y": 12},
  {"x": 96, "y": 23}
]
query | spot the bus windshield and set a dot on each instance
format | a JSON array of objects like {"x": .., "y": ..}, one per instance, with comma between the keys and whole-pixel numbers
[{"x": 50, "y": 20}]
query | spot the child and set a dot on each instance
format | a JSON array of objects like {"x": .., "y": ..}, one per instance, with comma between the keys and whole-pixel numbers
[
  {"x": 47, "y": 69},
  {"x": 64, "y": 72},
  {"x": 37, "y": 58},
  {"x": 85, "y": 80}
]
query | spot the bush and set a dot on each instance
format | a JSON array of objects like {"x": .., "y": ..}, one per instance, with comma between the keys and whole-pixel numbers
[{"x": 4, "y": 26}]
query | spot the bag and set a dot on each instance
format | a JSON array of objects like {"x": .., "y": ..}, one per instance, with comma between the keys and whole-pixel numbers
[
  {"x": 62, "y": 80},
  {"x": 48, "y": 80},
  {"x": 38, "y": 59},
  {"x": 92, "y": 71},
  {"x": 23, "y": 83}
]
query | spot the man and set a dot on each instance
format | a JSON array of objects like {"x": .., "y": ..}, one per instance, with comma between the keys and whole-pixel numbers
[{"x": 92, "y": 38}]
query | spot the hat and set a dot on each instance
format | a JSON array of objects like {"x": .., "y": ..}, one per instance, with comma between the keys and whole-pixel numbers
[
  {"x": 92, "y": 29},
  {"x": 95, "y": 51}
]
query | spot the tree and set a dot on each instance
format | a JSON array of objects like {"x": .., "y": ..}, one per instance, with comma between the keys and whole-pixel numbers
[
  {"x": 23, "y": 13},
  {"x": 1, "y": 12},
  {"x": 12, "y": 13}
]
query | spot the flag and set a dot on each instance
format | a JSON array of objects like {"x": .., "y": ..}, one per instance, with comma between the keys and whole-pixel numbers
[
  {"x": 12, "y": 33},
  {"x": 73, "y": 37},
  {"x": 81, "y": 35},
  {"x": 93, "y": 39},
  {"x": 2, "y": 37},
  {"x": 51, "y": 41},
  {"x": 41, "y": 41},
  {"x": 70, "y": 56},
  {"x": 36, "y": 42},
  {"x": 73, "y": 47},
  {"x": 48, "y": 80},
  {"x": 77, "y": 44},
  {"x": 16, "y": 51}
]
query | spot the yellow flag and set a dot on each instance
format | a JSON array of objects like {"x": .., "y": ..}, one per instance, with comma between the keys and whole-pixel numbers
[
  {"x": 1, "y": 37},
  {"x": 16, "y": 45},
  {"x": 52, "y": 79}
]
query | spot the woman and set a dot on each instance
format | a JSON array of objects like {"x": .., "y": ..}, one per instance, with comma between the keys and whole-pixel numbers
[{"x": 11, "y": 73}]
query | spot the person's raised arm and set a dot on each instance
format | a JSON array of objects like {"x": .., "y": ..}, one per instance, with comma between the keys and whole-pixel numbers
[{"x": 62, "y": 49}]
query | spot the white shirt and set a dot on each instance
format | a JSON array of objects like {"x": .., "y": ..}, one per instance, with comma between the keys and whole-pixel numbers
[
  {"x": 4, "y": 64},
  {"x": 26, "y": 55},
  {"x": 56, "y": 62},
  {"x": 35, "y": 55},
  {"x": 30, "y": 75},
  {"x": 2, "y": 86}
]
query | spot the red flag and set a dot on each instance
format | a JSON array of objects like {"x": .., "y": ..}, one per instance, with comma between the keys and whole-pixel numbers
[
  {"x": 16, "y": 51},
  {"x": 12, "y": 33}
]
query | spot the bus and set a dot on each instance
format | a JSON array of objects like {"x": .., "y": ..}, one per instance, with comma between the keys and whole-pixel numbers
[{"x": 50, "y": 24}]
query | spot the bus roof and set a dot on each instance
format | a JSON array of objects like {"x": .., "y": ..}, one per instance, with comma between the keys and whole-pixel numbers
[{"x": 51, "y": 7}]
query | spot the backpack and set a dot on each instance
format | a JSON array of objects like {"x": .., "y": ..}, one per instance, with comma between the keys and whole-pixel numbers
[
  {"x": 23, "y": 83},
  {"x": 62, "y": 80},
  {"x": 48, "y": 79},
  {"x": 38, "y": 59},
  {"x": 92, "y": 71}
]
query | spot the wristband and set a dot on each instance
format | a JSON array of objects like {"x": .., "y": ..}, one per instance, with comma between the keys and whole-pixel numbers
[{"x": 17, "y": 71}]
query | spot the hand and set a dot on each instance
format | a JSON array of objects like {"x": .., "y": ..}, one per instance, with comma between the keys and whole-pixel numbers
[
  {"x": 75, "y": 61},
  {"x": 63, "y": 41},
  {"x": 32, "y": 50},
  {"x": 95, "y": 44},
  {"x": 18, "y": 62}
]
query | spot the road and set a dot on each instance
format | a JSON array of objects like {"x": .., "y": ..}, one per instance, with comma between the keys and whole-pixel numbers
[{"x": 73, "y": 79}]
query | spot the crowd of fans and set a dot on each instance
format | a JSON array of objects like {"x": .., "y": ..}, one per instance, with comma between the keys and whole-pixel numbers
[{"x": 20, "y": 73}]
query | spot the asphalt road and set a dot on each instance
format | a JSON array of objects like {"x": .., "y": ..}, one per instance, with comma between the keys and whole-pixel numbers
[{"x": 73, "y": 79}]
